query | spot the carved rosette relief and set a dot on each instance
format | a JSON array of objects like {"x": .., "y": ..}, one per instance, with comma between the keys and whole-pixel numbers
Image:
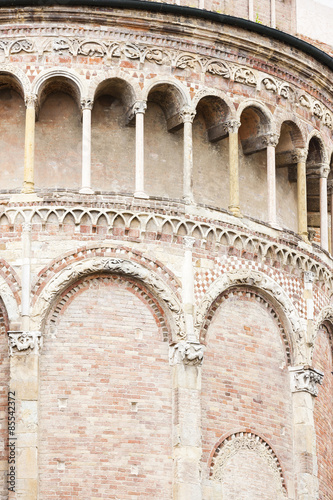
[
  {"x": 248, "y": 442},
  {"x": 188, "y": 353},
  {"x": 23, "y": 342},
  {"x": 306, "y": 379}
]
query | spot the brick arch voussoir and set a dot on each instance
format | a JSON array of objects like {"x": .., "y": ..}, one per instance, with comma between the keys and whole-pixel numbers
[
  {"x": 92, "y": 281},
  {"x": 65, "y": 278},
  {"x": 269, "y": 293}
]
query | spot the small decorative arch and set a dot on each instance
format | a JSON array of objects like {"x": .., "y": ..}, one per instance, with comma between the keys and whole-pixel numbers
[
  {"x": 263, "y": 112},
  {"x": 267, "y": 288},
  {"x": 316, "y": 138},
  {"x": 118, "y": 75},
  {"x": 71, "y": 81},
  {"x": 14, "y": 74},
  {"x": 65, "y": 278},
  {"x": 212, "y": 92},
  {"x": 324, "y": 317},
  {"x": 235, "y": 442},
  {"x": 172, "y": 84}
]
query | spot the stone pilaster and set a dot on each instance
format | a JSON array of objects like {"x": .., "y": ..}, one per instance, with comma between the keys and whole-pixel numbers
[
  {"x": 29, "y": 146},
  {"x": 330, "y": 193},
  {"x": 86, "y": 106},
  {"x": 186, "y": 360},
  {"x": 24, "y": 374},
  {"x": 188, "y": 115},
  {"x": 188, "y": 287},
  {"x": 232, "y": 127},
  {"x": 304, "y": 386}
]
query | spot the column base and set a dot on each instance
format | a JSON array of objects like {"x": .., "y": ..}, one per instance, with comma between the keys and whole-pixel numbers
[
  {"x": 86, "y": 190},
  {"x": 188, "y": 200},
  {"x": 235, "y": 210},
  {"x": 141, "y": 194},
  {"x": 28, "y": 188},
  {"x": 305, "y": 237}
]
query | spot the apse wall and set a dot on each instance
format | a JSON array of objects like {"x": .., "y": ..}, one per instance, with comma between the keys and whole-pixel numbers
[{"x": 166, "y": 252}]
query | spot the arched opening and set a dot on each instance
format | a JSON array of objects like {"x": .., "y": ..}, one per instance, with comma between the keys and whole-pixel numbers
[
  {"x": 164, "y": 142},
  {"x": 112, "y": 141},
  {"x": 58, "y": 135},
  {"x": 247, "y": 354},
  {"x": 286, "y": 174},
  {"x": 12, "y": 132},
  {"x": 314, "y": 163},
  {"x": 253, "y": 163},
  {"x": 210, "y": 152},
  {"x": 323, "y": 409},
  {"x": 330, "y": 205},
  {"x": 105, "y": 410}
]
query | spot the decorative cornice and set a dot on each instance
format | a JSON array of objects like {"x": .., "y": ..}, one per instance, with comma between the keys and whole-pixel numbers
[
  {"x": 23, "y": 342},
  {"x": 305, "y": 379},
  {"x": 188, "y": 353}
]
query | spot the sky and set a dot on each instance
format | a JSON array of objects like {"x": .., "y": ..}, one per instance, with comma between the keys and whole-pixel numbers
[{"x": 329, "y": 3}]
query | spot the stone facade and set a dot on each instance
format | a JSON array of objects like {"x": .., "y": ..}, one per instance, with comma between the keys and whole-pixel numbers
[{"x": 166, "y": 275}]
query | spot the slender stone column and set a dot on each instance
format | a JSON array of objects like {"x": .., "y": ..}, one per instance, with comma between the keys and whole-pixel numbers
[
  {"x": 139, "y": 110},
  {"x": 86, "y": 106},
  {"x": 324, "y": 171},
  {"x": 232, "y": 127},
  {"x": 186, "y": 359},
  {"x": 29, "y": 147},
  {"x": 300, "y": 156},
  {"x": 23, "y": 436},
  {"x": 271, "y": 141},
  {"x": 187, "y": 116},
  {"x": 304, "y": 386},
  {"x": 251, "y": 11},
  {"x": 273, "y": 14}
]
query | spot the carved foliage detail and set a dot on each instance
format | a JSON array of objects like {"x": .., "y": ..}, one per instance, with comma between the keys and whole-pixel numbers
[
  {"x": 23, "y": 342},
  {"x": 247, "y": 441},
  {"x": 306, "y": 379}
]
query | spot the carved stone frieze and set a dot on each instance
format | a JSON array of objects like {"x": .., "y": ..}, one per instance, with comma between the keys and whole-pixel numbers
[
  {"x": 305, "y": 379},
  {"x": 116, "y": 50},
  {"x": 188, "y": 353},
  {"x": 244, "y": 441},
  {"x": 26, "y": 342}
]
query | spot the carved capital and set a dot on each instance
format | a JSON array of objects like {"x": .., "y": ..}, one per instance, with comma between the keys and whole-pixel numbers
[
  {"x": 309, "y": 277},
  {"x": 87, "y": 104},
  {"x": 324, "y": 170},
  {"x": 26, "y": 227},
  {"x": 187, "y": 114},
  {"x": 139, "y": 107},
  {"x": 189, "y": 242},
  {"x": 23, "y": 341},
  {"x": 305, "y": 379},
  {"x": 31, "y": 101},
  {"x": 271, "y": 139},
  {"x": 231, "y": 126},
  {"x": 299, "y": 155},
  {"x": 188, "y": 353}
]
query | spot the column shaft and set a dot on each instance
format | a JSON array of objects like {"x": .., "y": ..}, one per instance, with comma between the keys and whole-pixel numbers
[
  {"x": 234, "y": 206},
  {"x": 301, "y": 196},
  {"x": 332, "y": 222},
  {"x": 323, "y": 209},
  {"x": 271, "y": 140},
  {"x": 86, "y": 147},
  {"x": 139, "y": 110},
  {"x": 187, "y": 116},
  {"x": 29, "y": 148}
]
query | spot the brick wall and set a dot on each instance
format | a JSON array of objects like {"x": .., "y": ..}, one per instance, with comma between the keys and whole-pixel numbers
[
  {"x": 246, "y": 388},
  {"x": 58, "y": 143},
  {"x": 112, "y": 438},
  {"x": 323, "y": 414},
  {"x": 12, "y": 112}
]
